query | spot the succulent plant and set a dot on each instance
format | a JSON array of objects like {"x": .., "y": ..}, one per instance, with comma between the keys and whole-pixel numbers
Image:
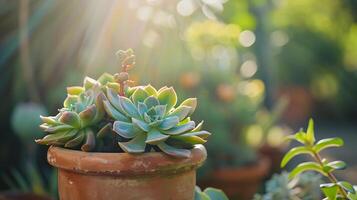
[
  {"x": 81, "y": 119},
  {"x": 148, "y": 120}
]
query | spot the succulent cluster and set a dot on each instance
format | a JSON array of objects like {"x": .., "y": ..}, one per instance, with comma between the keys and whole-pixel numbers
[
  {"x": 81, "y": 119},
  {"x": 149, "y": 119},
  {"x": 335, "y": 189},
  {"x": 145, "y": 119}
]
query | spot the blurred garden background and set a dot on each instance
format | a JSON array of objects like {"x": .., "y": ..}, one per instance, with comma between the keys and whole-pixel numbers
[{"x": 259, "y": 68}]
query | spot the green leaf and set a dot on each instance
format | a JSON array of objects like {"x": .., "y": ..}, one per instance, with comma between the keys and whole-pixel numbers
[
  {"x": 142, "y": 109},
  {"x": 75, "y": 90},
  {"x": 105, "y": 78},
  {"x": 58, "y": 128},
  {"x": 160, "y": 111},
  {"x": 335, "y": 165},
  {"x": 189, "y": 139},
  {"x": 57, "y": 138},
  {"x": 352, "y": 196},
  {"x": 294, "y": 152},
  {"x": 141, "y": 124},
  {"x": 327, "y": 143},
  {"x": 330, "y": 190},
  {"x": 49, "y": 120},
  {"x": 306, "y": 166},
  {"x": 198, "y": 127},
  {"x": 70, "y": 118},
  {"x": 129, "y": 107},
  {"x": 310, "y": 134},
  {"x": 181, "y": 112},
  {"x": 215, "y": 194},
  {"x": 192, "y": 103},
  {"x": 169, "y": 122},
  {"x": 202, "y": 134},
  {"x": 105, "y": 130},
  {"x": 150, "y": 90},
  {"x": 87, "y": 115},
  {"x": 168, "y": 97},
  {"x": 89, "y": 83},
  {"x": 155, "y": 137},
  {"x": 113, "y": 113},
  {"x": 75, "y": 141},
  {"x": 113, "y": 98},
  {"x": 136, "y": 145},
  {"x": 89, "y": 143},
  {"x": 124, "y": 129},
  {"x": 183, "y": 153},
  {"x": 70, "y": 101},
  {"x": 151, "y": 101},
  {"x": 178, "y": 130},
  {"x": 139, "y": 96},
  {"x": 347, "y": 186}
]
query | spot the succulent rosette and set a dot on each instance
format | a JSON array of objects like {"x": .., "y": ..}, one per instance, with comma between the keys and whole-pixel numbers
[
  {"x": 148, "y": 120},
  {"x": 80, "y": 121}
]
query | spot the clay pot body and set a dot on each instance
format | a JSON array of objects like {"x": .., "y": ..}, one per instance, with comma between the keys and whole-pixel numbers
[
  {"x": 106, "y": 176},
  {"x": 239, "y": 183}
]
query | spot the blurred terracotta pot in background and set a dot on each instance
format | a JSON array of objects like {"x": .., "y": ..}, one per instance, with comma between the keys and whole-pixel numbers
[
  {"x": 106, "y": 176},
  {"x": 239, "y": 183}
]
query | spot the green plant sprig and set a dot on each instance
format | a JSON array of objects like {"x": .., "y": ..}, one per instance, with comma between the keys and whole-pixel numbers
[{"x": 334, "y": 190}]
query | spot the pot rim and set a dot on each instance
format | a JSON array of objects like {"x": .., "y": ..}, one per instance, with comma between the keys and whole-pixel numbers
[{"x": 124, "y": 164}]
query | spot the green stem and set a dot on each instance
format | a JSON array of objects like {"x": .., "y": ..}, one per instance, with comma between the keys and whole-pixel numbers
[{"x": 330, "y": 175}]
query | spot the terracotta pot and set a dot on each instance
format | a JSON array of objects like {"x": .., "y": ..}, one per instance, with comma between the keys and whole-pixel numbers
[
  {"x": 105, "y": 176},
  {"x": 275, "y": 155},
  {"x": 239, "y": 183}
]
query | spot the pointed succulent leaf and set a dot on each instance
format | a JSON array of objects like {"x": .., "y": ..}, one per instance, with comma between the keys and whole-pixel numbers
[
  {"x": 45, "y": 126},
  {"x": 142, "y": 109},
  {"x": 306, "y": 166},
  {"x": 129, "y": 107},
  {"x": 57, "y": 138},
  {"x": 198, "y": 127},
  {"x": 58, "y": 128},
  {"x": 347, "y": 186},
  {"x": 299, "y": 136},
  {"x": 178, "y": 130},
  {"x": 181, "y": 112},
  {"x": 150, "y": 90},
  {"x": 327, "y": 143},
  {"x": 124, "y": 129},
  {"x": 139, "y": 96},
  {"x": 136, "y": 145},
  {"x": 330, "y": 190},
  {"x": 75, "y": 90},
  {"x": 105, "y": 78},
  {"x": 189, "y": 139},
  {"x": 156, "y": 123},
  {"x": 310, "y": 134},
  {"x": 160, "y": 110},
  {"x": 352, "y": 196},
  {"x": 169, "y": 122},
  {"x": 202, "y": 134},
  {"x": 89, "y": 143},
  {"x": 105, "y": 130},
  {"x": 89, "y": 83},
  {"x": 88, "y": 115},
  {"x": 147, "y": 118},
  {"x": 76, "y": 141},
  {"x": 113, "y": 98},
  {"x": 49, "y": 120},
  {"x": 151, "y": 101},
  {"x": 70, "y": 101},
  {"x": 130, "y": 90},
  {"x": 170, "y": 150},
  {"x": 161, "y": 89},
  {"x": 141, "y": 124},
  {"x": 99, "y": 115},
  {"x": 113, "y": 113},
  {"x": 192, "y": 103},
  {"x": 70, "y": 118},
  {"x": 167, "y": 97},
  {"x": 154, "y": 137},
  {"x": 294, "y": 152},
  {"x": 114, "y": 86}
]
